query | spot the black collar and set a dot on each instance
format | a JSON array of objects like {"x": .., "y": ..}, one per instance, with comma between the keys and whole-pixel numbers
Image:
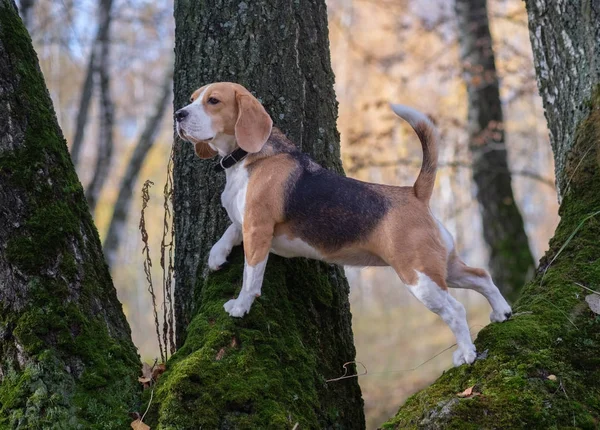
[{"x": 231, "y": 159}]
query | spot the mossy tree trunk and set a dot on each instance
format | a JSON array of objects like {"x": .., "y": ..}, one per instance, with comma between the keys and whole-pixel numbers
[
  {"x": 511, "y": 262},
  {"x": 66, "y": 355},
  {"x": 267, "y": 370},
  {"x": 543, "y": 366}
]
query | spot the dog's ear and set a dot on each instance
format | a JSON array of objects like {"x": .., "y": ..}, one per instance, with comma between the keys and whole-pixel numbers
[
  {"x": 253, "y": 125},
  {"x": 203, "y": 150}
]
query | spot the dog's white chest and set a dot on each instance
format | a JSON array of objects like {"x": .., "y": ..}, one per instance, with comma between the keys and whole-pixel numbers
[{"x": 233, "y": 197}]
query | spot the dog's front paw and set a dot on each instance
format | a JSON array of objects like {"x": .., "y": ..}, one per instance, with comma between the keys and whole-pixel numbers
[
  {"x": 236, "y": 308},
  {"x": 217, "y": 257},
  {"x": 502, "y": 314},
  {"x": 464, "y": 355}
]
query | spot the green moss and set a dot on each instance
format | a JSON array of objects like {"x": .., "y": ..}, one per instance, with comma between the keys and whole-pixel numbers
[
  {"x": 262, "y": 371},
  {"x": 553, "y": 333},
  {"x": 65, "y": 348}
]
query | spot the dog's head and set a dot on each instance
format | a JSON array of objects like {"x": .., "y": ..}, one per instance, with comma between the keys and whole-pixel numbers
[{"x": 223, "y": 112}]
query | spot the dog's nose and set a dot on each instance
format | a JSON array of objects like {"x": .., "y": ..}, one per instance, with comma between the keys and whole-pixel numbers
[{"x": 181, "y": 114}]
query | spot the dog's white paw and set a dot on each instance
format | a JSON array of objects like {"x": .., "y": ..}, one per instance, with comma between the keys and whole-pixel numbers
[
  {"x": 501, "y": 314},
  {"x": 464, "y": 355},
  {"x": 217, "y": 257},
  {"x": 236, "y": 308}
]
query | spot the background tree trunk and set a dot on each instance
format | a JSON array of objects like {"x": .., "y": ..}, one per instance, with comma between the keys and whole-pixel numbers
[
  {"x": 511, "y": 262},
  {"x": 543, "y": 366},
  {"x": 66, "y": 355},
  {"x": 107, "y": 112},
  {"x": 267, "y": 370},
  {"x": 142, "y": 148},
  {"x": 26, "y": 10},
  {"x": 87, "y": 88}
]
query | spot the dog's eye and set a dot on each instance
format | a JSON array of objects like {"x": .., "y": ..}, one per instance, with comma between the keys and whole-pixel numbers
[{"x": 212, "y": 101}]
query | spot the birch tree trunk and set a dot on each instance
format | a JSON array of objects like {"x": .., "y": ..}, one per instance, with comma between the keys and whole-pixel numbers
[
  {"x": 543, "y": 367},
  {"x": 269, "y": 369},
  {"x": 116, "y": 228},
  {"x": 511, "y": 262},
  {"x": 66, "y": 355}
]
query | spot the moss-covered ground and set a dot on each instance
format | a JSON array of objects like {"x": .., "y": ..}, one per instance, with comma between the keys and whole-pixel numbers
[
  {"x": 66, "y": 356},
  {"x": 266, "y": 370},
  {"x": 543, "y": 365}
]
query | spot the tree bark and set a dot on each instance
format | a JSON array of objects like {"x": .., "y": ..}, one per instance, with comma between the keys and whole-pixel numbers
[
  {"x": 118, "y": 221},
  {"x": 87, "y": 88},
  {"x": 543, "y": 367},
  {"x": 511, "y": 261},
  {"x": 66, "y": 355},
  {"x": 107, "y": 113},
  {"x": 267, "y": 370}
]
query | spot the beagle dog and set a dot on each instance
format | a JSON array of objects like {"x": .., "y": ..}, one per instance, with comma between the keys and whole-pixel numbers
[{"x": 281, "y": 201}]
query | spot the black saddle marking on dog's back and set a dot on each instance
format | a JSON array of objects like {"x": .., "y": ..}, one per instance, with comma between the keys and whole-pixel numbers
[{"x": 329, "y": 210}]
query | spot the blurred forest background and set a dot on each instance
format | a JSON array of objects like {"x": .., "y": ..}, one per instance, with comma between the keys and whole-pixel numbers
[{"x": 107, "y": 64}]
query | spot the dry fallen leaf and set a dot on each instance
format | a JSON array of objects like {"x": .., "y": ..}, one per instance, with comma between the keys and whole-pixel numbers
[
  {"x": 150, "y": 374},
  {"x": 146, "y": 370},
  {"x": 593, "y": 300},
  {"x": 157, "y": 371},
  {"x": 139, "y": 425},
  {"x": 220, "y": 354},
  {"x": 552, "y": 377},
  {"x": 468, "y": 393}
]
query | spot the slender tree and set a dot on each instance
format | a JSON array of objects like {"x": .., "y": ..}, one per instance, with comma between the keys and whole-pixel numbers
[
  {"x": 26, "y": 8},
  {"x": 66, "y": 355},
  {"x": 87, "y": 87},
  {"x": 116, "y": 228},
  {"x": 105, "y": 145},
  {"x": 511, "y": 262},
  {"x": 269, "y": 369},
  {"x": 543, "y": 367}
]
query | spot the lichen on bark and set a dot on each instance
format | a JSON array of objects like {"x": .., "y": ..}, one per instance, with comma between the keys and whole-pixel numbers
[{"x": 66, "y": 356}]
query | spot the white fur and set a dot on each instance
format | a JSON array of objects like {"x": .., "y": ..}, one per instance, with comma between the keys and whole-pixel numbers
[
  {"x": 233, "y": 197},
  {"x": 253, "y": 278},
  {"x": 451, "y": 311},
  {"x": 221, "y": 250},
  {"x": 288, "y": 248},
  {"x": 501, "y": 310},
  {"x": 410, "y": 115},
  {"x": 198, "y": 123}
]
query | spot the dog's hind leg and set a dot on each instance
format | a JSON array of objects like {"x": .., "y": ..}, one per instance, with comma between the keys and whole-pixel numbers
[
  {"x": 462, "y": 276},
  {"x": 438, "y": 300}
]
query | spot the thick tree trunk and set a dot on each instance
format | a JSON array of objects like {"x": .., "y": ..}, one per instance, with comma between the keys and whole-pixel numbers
[
  {"x": 511, "y": 262},
  {"x": 107, "y": 113},
  {"x": 267, "y": 370},
  {"x": 116, "y": 228},
  {"x": 87, "y": 88},
  {"x": 66, "y": 356},
  {"x": 543, "y": 366}
]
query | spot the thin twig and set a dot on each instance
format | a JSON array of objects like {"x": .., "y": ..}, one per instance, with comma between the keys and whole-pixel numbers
[
  {"x": 148, "y": 260},
  {"x": 168, "y": 268}
]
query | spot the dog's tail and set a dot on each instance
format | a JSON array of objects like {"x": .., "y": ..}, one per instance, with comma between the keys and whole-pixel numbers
[{"x": 428, "y": 136}]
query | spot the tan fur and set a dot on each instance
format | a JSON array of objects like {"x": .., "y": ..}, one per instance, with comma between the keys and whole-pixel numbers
[
  {"x": 407, "y": 238},
  {"x": 237, "y": 113}
]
